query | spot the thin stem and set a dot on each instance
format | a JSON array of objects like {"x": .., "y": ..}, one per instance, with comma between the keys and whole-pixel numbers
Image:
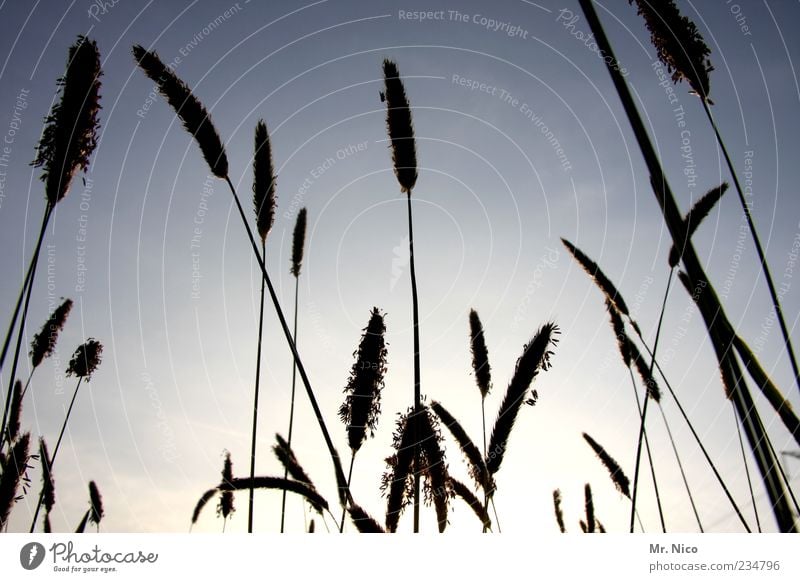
[
  {"x": 291, "y": 405},
  {"x": 27, "y": 293},
  {"x": 680, "y": 466},
  {"x": 759, "y": 249},
  {"x": 55, "y": 451},
  {"x": 349, "y": 477},
  {"x": 417, "y": 397},
  {"x": 337, "y": 464},
  {"x": 747, "y": 472},
  {"x": 255, "y": 406},
  {"x": 643, "y": 433}
]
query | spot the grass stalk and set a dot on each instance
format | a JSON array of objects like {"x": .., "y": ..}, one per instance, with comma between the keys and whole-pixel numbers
[
  {"x": 291, "y": 403},
  {"x": 255, "y": 406},
  {"x": 344, "y": 490}
]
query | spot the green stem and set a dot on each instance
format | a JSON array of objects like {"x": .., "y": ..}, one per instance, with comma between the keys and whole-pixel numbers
[{"x": 255, "y": 405}]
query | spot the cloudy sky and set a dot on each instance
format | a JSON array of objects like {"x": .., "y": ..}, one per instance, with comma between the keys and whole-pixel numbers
[{"x": 521, "y": 140}]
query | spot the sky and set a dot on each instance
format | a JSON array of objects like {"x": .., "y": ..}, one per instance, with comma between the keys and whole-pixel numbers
[{"x": 521, "y": 141}]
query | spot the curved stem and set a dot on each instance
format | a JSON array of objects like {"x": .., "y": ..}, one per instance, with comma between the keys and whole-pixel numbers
[
  {"x": 55, "y": 451},
  {"x": 291, "y": 405},
  {"x": 417, "y": 396},
  {"x": 337, "y": 464},
  {"x": 759, "y": 249},
  {"x": 255, "y": 406}
]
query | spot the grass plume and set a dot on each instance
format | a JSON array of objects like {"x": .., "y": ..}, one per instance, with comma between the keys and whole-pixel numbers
[
  {"x": 558, "y": 511},
  {"x": 191, "y": 112},
  {"x": 400, "y": 127},
  {"x": 15, "y": 466},
  {"x": 362, "y": 406},
  {"x": 397, "y": 482},
  {"x": 603, "y": 282},
  {"x": 461, "y": 490},
  {"x": 535, "y": 357},
  {"x": 480, "y": 354},
  {"x": 225, "y": 507},
  {"x": 96, "y": 501},
  {"x": 697, "y": 213},
  {"x": 86, "y": 359},
  {"x": 477, "y": 465},
  {"x": 298, "y": 242},
  {"x": 264, "y": 181},
  {"x": 679, "y": 45},
  {"x": 70, "y": 132},
  {"x": 44, "y": 342},
  {"x": 363, "y": 521},
  {"x": 589, "y": 502},
  {"x": 621, "y": 482}
]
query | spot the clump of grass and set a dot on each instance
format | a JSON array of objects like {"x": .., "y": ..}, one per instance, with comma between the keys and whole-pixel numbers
[
  {"x": 15, "y": 415},
  {"x": 591, "y": 524},
  {"x": 83, "y": 364},
  {"x": 67, "y": 142},
  {"x": 225, "y": 507},
  {"x": 398, "y": 483},
  {"x": 298, "y": 242},
  {"x": 621, "y": 482}
]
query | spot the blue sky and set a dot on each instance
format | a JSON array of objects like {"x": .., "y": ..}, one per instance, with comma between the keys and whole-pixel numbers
[{"x": 494, "y": 196}]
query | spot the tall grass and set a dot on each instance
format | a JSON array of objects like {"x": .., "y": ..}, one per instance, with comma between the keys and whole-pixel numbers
[
  {"x": 298, "y": 246},
  {"x": 719, "y": 328},
  {"x": 66, "y": 145},
  {"x": 404, "y": 157},
  {"x": 264, "y": 203},
  {"x": 681, "y": 47},
  {"x": 197, "y": 122}
]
